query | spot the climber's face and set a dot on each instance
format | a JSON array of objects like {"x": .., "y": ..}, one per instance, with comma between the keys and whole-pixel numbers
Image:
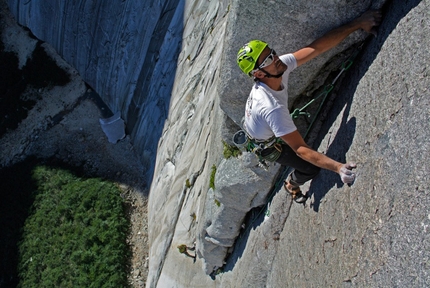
[
  {"x": 267, "y": 60},
  {"x": 270, "y": 62}
]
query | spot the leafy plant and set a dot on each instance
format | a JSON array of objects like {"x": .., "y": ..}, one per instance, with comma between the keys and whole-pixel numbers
[
  {"x": 212, "y": 179},
  {"x": 217, "y": 203},
  {"x": 230, "y": 150},
  {"x": 188, "y": 183},
  {"x": 182, "y": 248}
]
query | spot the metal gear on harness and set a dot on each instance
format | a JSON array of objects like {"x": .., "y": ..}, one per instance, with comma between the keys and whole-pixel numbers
[{"x": 267, "y": 151}]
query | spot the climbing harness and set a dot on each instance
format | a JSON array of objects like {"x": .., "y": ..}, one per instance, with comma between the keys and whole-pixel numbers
[{"x": 266, "y": 151}]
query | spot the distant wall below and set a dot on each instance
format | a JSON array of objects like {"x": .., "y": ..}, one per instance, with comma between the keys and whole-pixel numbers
[{"x": 126, "y": 51}]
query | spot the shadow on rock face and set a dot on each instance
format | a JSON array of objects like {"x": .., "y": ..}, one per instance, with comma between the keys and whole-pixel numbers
[
  {"x": 326, "y": 179},
  {"x": 40, "y": 71},
  {"x": 393, "y": 12}
]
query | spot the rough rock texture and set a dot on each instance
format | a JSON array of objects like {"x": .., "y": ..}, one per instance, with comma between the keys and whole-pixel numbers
[
  {"x": 188, "y": 149},
  {"x": 373, "y": 233},
  {"x": 240, "y": 185}
]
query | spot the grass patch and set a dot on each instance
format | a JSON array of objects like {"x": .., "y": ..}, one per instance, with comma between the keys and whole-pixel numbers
[{"x": 75, "y": 234}]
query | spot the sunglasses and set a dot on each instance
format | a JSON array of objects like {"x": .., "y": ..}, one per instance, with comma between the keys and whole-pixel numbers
[{"x": 267, "y": 61}]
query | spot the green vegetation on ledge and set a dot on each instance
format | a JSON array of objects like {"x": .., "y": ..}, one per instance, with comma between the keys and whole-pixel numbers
[
  {"x": 212, "y": 179},
  {"x": 230, "y": 151},
  {"x": 75, "y": 235}
]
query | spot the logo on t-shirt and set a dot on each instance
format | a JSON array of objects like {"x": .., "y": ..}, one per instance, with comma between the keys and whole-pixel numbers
[{"x": 248, "y": 107}]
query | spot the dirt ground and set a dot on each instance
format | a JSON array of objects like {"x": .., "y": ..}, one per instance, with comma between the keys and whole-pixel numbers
[{"x": 60, "y": 123}]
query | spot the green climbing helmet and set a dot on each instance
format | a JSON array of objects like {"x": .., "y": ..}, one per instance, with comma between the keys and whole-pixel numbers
[{"x": 248, "y": 55}]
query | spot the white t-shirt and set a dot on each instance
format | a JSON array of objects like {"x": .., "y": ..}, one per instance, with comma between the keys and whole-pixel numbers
[{"x": 266, "y": 111}]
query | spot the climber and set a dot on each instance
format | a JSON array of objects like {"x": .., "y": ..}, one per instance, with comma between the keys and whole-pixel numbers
[{"x": 267, "y": 121}]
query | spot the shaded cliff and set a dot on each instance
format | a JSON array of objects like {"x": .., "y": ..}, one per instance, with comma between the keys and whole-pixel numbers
[{"x": 126, "y": 51}]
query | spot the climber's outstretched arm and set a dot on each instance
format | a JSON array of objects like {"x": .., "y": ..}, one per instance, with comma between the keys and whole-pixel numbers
[
  {"x": 367, "y": 21},
  {"x": 296, "y": 142}
]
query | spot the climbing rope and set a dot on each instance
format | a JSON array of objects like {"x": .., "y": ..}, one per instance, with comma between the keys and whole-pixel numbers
[
  {"x": 327, "y": 89},
  {"x": 301, "y": 112}
]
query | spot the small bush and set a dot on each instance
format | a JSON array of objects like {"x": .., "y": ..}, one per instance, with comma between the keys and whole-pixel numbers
[
  {"x": 188, "y": 183},
  {"x": 212, "y": 180},
  {"x": 230, "y": 151},
  {"x": 75, "y": 235},
  {"x": 182, "y": 248}
]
